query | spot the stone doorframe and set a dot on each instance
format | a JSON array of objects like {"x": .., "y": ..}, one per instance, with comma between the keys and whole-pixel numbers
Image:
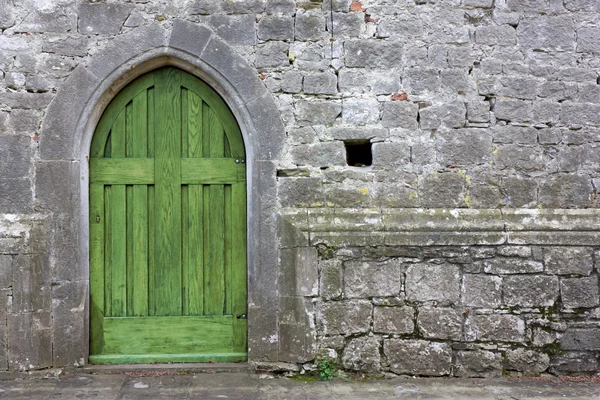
[{"x": 62, "y": 182}]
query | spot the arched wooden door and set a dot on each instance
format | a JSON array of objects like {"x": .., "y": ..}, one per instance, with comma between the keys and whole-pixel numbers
[{"x": 167, "y": 226}]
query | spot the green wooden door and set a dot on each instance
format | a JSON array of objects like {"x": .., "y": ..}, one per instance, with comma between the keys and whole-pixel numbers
[{"x": 167, "y": 226}]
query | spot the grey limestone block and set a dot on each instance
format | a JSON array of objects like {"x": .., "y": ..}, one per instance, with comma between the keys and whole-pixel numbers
[
  {"x": 456, "y": 80},
  {"x": 442, "y": 190},
  {"x": 344, "y": 317},
  {"x": 565, "y": 191},
  {"x": 15, "y": 80},
  {"x": 244, "y": 6},
  {"x": 580, "y": 114},
  {"x": 16, "y": 153},
  {"x": 30, "y": 336},
  {"x": 433, "y": 282},
  {"x": 515, "y": 134},
  {"x": 331, "y": 279},
  {"x": 7, "y": 15},
  {"x": 513, "y": 110},
  {"x": 391, "y": 155},
  {"x": 56, "y": 20},
  {"x": 347, "y": 25},
  {"x": 529, "y": 361},
  {"x": 520, "y": 158},
  {"x": 237, "y": 30},
  {"x": 68, "y": 322},
  {"x": 356, "y": 133},
  {"x": 15, "y": 195},
  {"x": 481, "y": 290},
  {"x": 558, "y": 90},
  {"x": 69, "y": 46},
  {"x": 102, "y": 18},
  {"x": 584, "y": 339},
  {"x": 291, "y": 82},
  {"x": 479, "y": 3},
  {"x": 418, "y": 357},
  {"x": 323, "y": 112},
  {"x": 300, "y": 274},
  {"x": 368, "y": 279},
  {"x": 293, "y": 192},
  {"x": 451, "y": 115},
  {"x": 357, "y": 80},
  {"x": 309, "y": 26},
  {"x": 464, "y": 147},
  {"x": 29, "y": 101},
  {"x": 420, "y": 79},
  {"x": 322, "y": 154},
  {"x": 299, "y": 343},
  {"x": 440, "y": 323},
  {"x": 579, "y": 292},
  {"x": 495, "y": 328},
  {"x": 280, "y": 6},
  {"x": 548, "y": 33},
  {"x": 478, "y": 364},
  {"x": 500, "y": 35},
  {"x": 582, "y": 5},
  {"x": 400, "y": 114},
  {"x": 478, "y": 111},
  {"x": 56, "y": 185},
  {"x": 320, "y": 83},
  {"x": 588, "y": 39},
  {"x": 373, "y": 53},
  {"x": 31, "y": 284},
  {"x": 510, "y": 265},
  {"x": 519, "y": 191},
  {"x": 272, "y": 54},
  {"x": 530, "y": 291},
  {"x": 276, "y": 28},
  {"x": 360, "y": 111},
  {"x": 569, "y": 362},
  {"x": 362, "y": 354},
  {"x": 394, "y": 320}
]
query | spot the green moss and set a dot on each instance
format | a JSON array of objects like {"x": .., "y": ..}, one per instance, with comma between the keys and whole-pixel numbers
[
  {"x": 305, "y": 378},
  {"x": 326, "y": 252},
  {"x": 553, "y": 349}
]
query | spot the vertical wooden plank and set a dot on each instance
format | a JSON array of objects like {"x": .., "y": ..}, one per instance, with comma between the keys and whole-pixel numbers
[
  {"x": 238, "y": 264},
  {"x": 167, "y": 268},
  {"x": 185, "y": 245},
  {"x": 227, "y": 250},
  {"x": 151, "y": 250},
  {"x": 214, "y": 278},
  {"x": 96, "y": 267},
  {"x": 108, "y": 255},
  {"x": 119, "y": 227},
  {"x": 193, "y": 270},
  {"x": 129, "y": 217},
  {"x": 150, "y": 121},
  {"x": 138, "y": 288}
]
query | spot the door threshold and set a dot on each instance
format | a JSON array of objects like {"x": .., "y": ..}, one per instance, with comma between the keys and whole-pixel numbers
[{"x": 167, "y": 368}]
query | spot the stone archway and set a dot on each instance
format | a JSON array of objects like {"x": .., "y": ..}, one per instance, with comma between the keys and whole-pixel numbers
[{"x": 64, "y": 149}]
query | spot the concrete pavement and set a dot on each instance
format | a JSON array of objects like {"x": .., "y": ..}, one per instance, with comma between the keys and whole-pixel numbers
[{"x": 161, "y": 384}]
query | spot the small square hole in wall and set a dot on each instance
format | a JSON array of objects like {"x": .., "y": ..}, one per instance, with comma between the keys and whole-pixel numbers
[{"x": 358, "y": 154}]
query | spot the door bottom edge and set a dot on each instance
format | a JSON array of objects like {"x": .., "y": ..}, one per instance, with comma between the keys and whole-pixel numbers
[{"x": 115, "y": 359}]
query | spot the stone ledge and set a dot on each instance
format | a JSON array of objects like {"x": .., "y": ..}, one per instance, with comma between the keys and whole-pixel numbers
[{"x": 449, "y": 227}]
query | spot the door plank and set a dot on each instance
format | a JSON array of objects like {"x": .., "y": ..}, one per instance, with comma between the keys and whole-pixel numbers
[
  {"x": 220, "y": 171},
  {"x": 112, "y": 171},
  {"x": 119, "y": 225},
  {"x": 108, "y": 254},
  {"x": 96, "y": 274},
  {"x": 238, "y": 265},
  {"x": 138, "y": 289},
  {"x": 167, "y": 268}
]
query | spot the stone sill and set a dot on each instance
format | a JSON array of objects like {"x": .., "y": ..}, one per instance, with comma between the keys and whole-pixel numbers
[{"x": 444, "y": 227}]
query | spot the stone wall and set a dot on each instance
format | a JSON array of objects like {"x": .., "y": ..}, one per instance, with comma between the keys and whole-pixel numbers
[{"x": 470, "y": 245}]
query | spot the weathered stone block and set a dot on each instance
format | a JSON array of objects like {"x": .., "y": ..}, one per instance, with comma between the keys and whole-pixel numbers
[
  {"x": 513, "y": 110},
  {"x": 519, "y": 191},
  {"x": 56, "y": 19},
  {"x": 15, "y": 195},
  {"x": 478, "y": 111},
  {"x": 527, "y": 361},
  {"x": 451, "y": 115},
  {"x": 579, "y": 292},
  {"x": 565, "y": 191},
  {"x": 344, "y": 317},
  {"x": 362, "y": 354},
  {"x": 276, "y": 28},
  {"x": 530, "y": 291},
  {"x": 393, "y": 320},
  {"x": 495, "y": 328},
  {"x": 549, "y": 33},
  {"x": 440, "y": 323},
  {"x": 368, "y": 279},
  {"x": 478, "y": 364},
  {"x": 300, "y": 192},
  {"x": 237, "y": 30},
  {"x": 300, "y": 275},
  {"x": 15, "y": 156},
  {"x": 584, "y": 339},
  {"x": 368, "y": 81},
  {"x": 587, "y": 39},
  {"x": 69, "y": 46},
  {"x": 320, "y": 83},
  {"x": 357, "y": 133},
  {"x": 347, "y": 24},
  {"x": 31, "y": 101},
  {"x": 431, "y": 282},
  {"x": 573, "y": 362},
  {"x": 317, "y": 112},
  {"x": 464, "y": 147},
  {"x": 7, "y": 19},
  {"x": 298, "y": 346},
  {"x": 360, "y": 111},
  {"x": 30, "y": 338},
  {"x": 442, "y": 190},
  {"x": 322, "y": 154},
  {"x": 272, "y": 54},
  {"x": 391, "y": 155},
  {"x": 400, "y": 114},
  {"x": 419, "y": 80},
  {"x": 418, "y": 357},
  {"x": 482, "y": 291},
  {"x": 373, "y": 53},
  {"x": 510, "y": 266},
  {"x": 568, "y": 260},
  {"x": 580, "y": 114},
  {"x": 102, "y": 18},
  {"x": 31, "y": 284},
  {"x": 309, "y": 26},
  {"x": 331, "y": 279}
]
